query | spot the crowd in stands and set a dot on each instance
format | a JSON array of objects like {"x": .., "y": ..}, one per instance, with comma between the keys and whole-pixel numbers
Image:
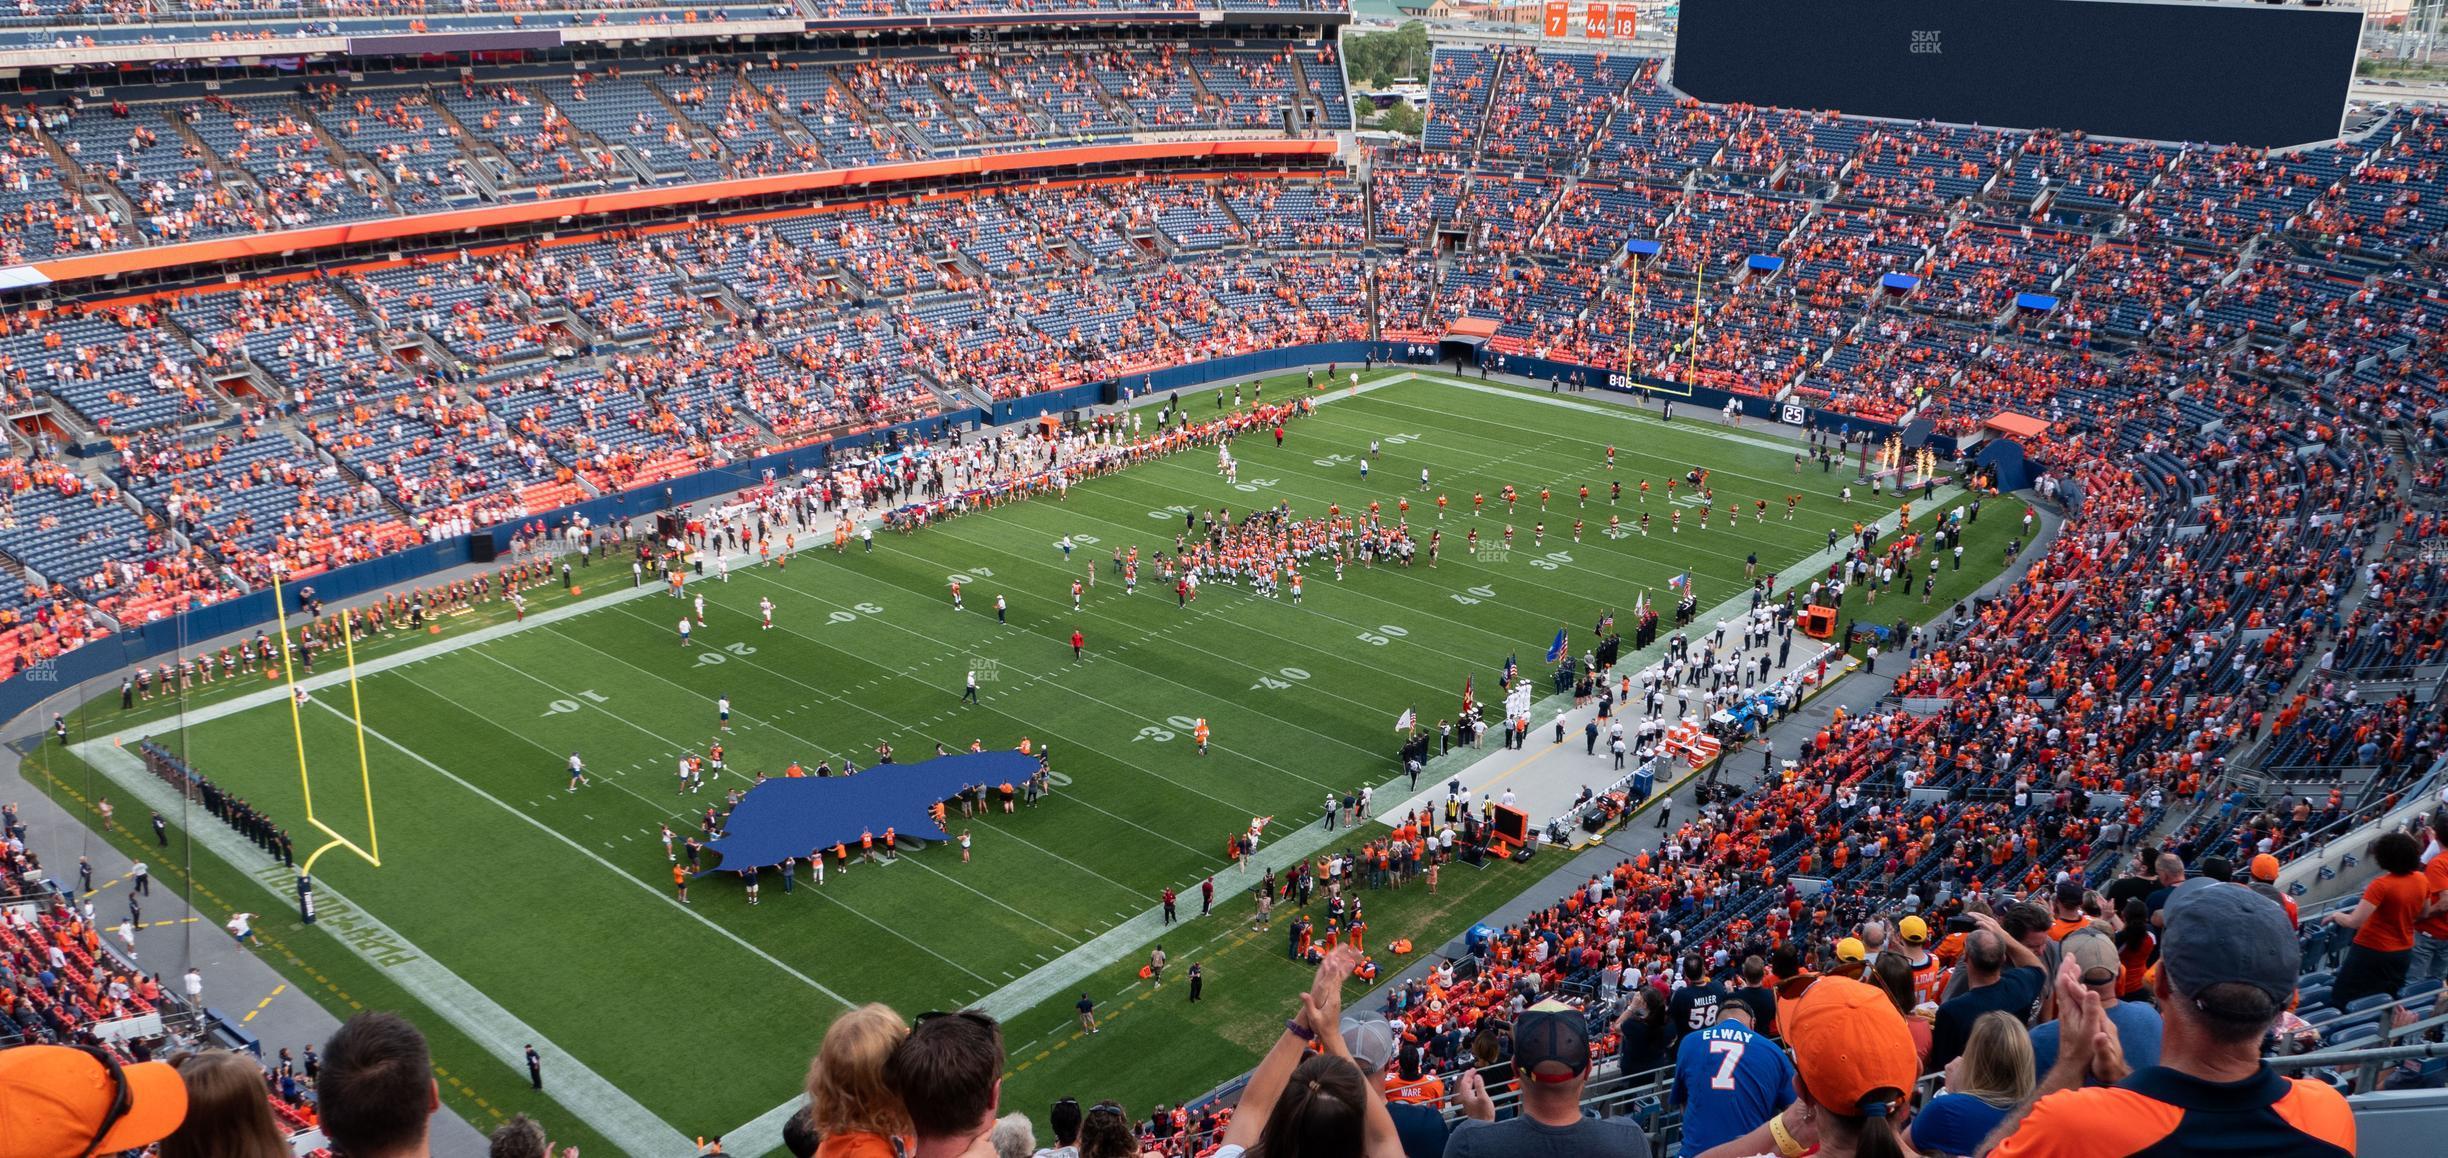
[
  {"x": 2214, "y": 413},
  {"x": 2123, "y": 1020}
]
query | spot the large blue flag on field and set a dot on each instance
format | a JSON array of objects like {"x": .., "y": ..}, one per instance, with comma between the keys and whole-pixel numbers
[
  {"x": 1555, "y": 651},
  {"x": 795, "y": 816}
]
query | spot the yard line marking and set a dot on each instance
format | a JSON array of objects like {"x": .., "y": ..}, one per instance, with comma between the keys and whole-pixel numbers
[
  {"x": 592, "y": 855},
  {"x": 1066, "y": 860},
  {"x": 1218, "y": 608},
  {"x": 995, "y": 901},
  {"x": 1048, "y": 681},
  {"x": 1024, "y": 726},
  {"x": 603, "y": 1106}
]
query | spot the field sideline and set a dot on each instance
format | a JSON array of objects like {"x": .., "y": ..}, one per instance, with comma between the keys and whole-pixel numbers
[{"x": 549, "y": 902}]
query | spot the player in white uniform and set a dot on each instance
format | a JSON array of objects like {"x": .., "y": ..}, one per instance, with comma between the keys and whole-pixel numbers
[
  {"x": 765, "y": 608},
  {"x": 722, "y": 711},
  {"x": 701, "y": 611}
]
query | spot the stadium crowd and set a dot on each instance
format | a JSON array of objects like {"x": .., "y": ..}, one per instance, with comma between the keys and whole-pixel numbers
[{"x": 2217, "y": 341}]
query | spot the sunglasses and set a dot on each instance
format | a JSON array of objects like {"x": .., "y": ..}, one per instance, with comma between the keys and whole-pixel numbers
[
  {"x": 969, "y": 1015},
  {"x": 1106, "y": 1108}
]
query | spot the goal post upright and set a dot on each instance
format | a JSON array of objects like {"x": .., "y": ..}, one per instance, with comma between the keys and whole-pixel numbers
[{"x": 371, "y": 852}]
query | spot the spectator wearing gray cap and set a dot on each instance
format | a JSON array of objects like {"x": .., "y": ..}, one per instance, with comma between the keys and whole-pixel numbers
[
  {"x": 1374, "y": 1045},
  {"x": 2094, "y": 953},
  {"x": 1551, "y": 1051},
  {"x": 2228, "y": 964}
]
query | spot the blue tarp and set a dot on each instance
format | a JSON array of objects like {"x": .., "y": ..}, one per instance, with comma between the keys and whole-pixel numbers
[
  {"x": 1899, "y": 282},
  {"x": 1641, "y": 247},
  {"x": 793, "y": 816},
  {"x": 2038, "y": 303},
  {"x": 1766, "y": 262}
]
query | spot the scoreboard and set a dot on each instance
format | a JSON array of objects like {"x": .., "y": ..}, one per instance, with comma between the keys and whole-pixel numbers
[{"x": 2170, "y": 70}]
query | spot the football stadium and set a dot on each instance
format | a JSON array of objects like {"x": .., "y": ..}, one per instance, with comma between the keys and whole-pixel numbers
[{"x": 977, "y": 577}]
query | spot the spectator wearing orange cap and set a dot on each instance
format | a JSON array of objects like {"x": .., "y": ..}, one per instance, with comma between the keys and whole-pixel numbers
[
  {"x": 1854, "y": 1072},
  {"x": 57, "y": 1099},
  {"x": 2265, "y": 882}
]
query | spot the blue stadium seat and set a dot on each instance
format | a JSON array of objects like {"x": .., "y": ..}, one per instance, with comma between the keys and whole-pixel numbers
[{"x": 2365, "y": 1031}]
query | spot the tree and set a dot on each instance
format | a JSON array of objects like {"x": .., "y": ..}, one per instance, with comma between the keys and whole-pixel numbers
[
  {"x": 1404, "y": 118},
  {"x": 1384, "y": 57}
]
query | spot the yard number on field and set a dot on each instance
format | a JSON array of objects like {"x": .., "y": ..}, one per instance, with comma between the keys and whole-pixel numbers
[
  {"x": 560, "y": 707},
  {"x": 850, "y": 616},
  {"x": 1552, "y": 560},
  {"x": 1271, "y": 684},
  {"x": 1475, "y": 595},
  {"x": 709, "y": 658},
  {"x": 1172, "y": 726},
  {"x": 1384, "y": 631}
]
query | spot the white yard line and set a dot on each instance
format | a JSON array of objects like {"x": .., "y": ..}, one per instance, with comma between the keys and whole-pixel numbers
[
  {"x": 1057, "y": 975},
  {"x": 600, "y": 1104}
]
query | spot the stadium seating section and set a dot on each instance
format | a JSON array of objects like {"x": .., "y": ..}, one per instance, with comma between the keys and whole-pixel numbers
[{"x": 2216, "y": 338}]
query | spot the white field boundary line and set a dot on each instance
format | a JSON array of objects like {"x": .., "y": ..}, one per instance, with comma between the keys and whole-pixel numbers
[
  {"x": 1065, "y": 970},
  {"x": 1498, "y": 765},
  {"x": 278, "y": 692},
  {"x": 764, "y": 1132},
  {"x": 611, "y": 1113}
]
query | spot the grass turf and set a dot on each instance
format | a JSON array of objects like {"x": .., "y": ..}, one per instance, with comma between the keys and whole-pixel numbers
[{"x": 552, "y": 902}]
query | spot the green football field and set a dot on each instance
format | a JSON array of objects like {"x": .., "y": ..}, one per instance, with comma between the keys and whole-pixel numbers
[{"x": 558, "y": 906}]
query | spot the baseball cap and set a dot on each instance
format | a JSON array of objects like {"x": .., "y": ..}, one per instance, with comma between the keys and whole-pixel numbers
[
  {"x": 1551, "y": 1042},
  {"x": 1850, "y": 1047},
  {"x": 2095, "y": 953},
  {"x": 1851, "y": 949},
  {"x": 2218, "y": 933},
  {"x": 1913, "y": 929},
  {"x": 2265, "y": 867},
  {"x": 57, "y": 1099},
  {"x": 1371, "y": 1040}
]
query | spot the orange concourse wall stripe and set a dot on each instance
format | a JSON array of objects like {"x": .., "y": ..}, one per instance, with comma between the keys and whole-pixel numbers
[{"x": 98, "y": 265}]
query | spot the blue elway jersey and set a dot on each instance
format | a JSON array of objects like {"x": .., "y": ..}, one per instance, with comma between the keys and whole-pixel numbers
[{"x": 1728, "y": 1079}]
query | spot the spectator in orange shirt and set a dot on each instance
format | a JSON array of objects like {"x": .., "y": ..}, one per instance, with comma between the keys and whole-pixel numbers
[{"x": 2383, "y": 922}]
